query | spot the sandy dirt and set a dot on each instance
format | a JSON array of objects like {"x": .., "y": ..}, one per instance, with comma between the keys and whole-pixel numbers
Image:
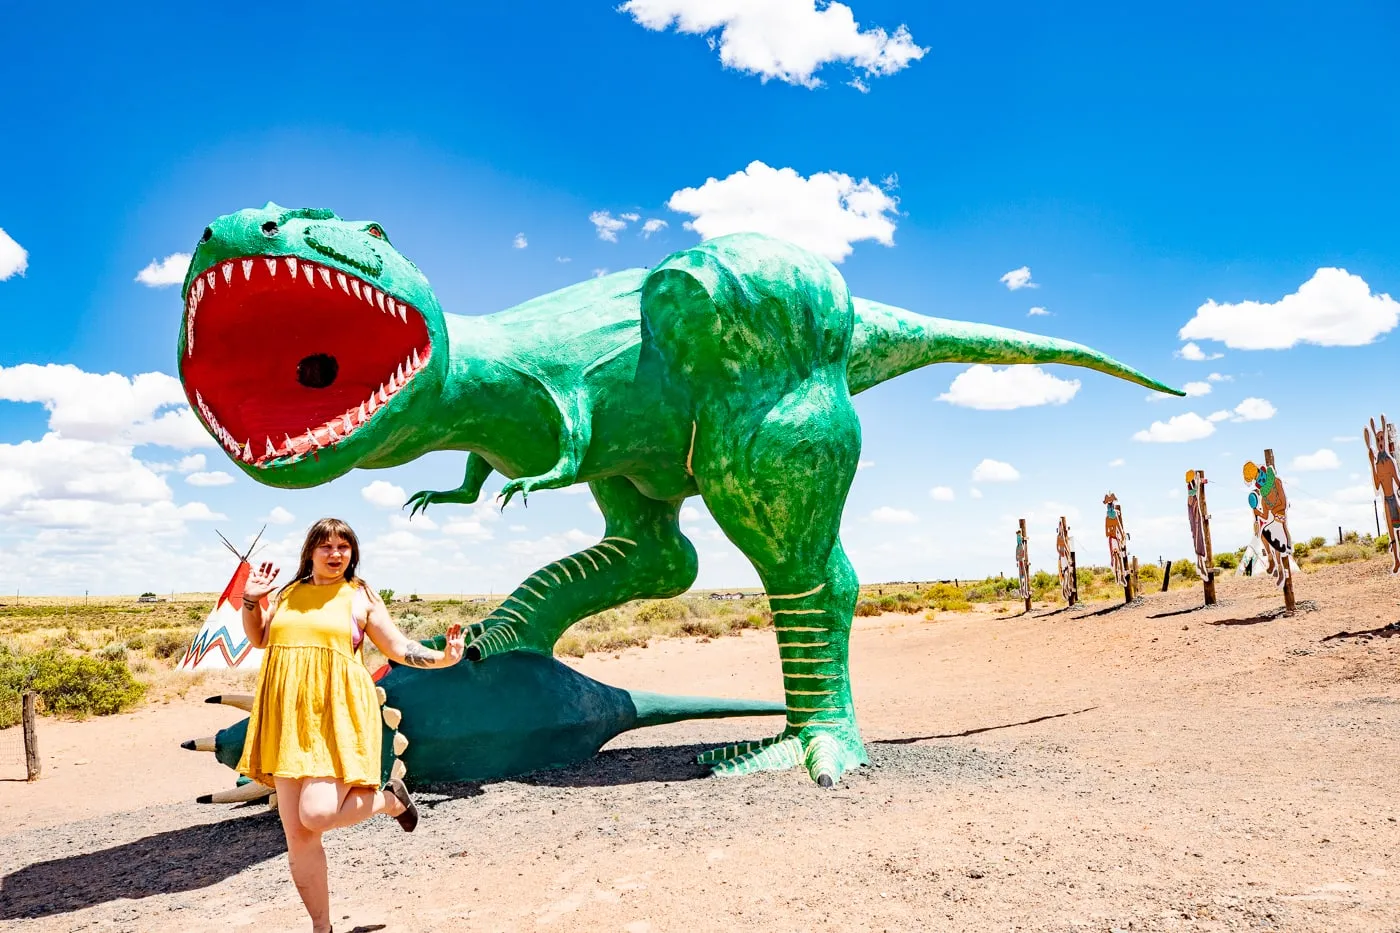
[{"x": 1133, "y": 770}]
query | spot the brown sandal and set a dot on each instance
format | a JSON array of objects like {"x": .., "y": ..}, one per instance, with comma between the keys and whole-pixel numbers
[{"x": 408, "y": 819}]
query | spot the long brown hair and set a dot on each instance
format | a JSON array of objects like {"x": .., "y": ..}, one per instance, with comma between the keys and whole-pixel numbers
[{"x": 317, "y": 535}]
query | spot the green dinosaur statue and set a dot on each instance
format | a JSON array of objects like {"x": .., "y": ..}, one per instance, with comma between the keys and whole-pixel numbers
[{"x": 725, "y": 371}]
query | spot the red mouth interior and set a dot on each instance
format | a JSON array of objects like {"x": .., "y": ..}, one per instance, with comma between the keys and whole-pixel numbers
[{"x": 285, "y": 357}]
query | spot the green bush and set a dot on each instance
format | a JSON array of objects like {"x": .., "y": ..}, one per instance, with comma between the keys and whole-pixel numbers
[
  {"x": 662, "y": 610},
  {"x": 867, "y": 608},
  {"x": 75, "y": 684},
  {"x": 1150, "y": 573},
  {"x": 1317, "y": 542},
  {"x": 148, "y": 595},
  {"x": 386, "y": 595},
  {"x": 11, "y": 712},
  {"x": 1383, "y": 543},
  {"x": 113, "y": 651},
  {"x": 1351, "y": 537},
  {"x": 1300, "y": 550},
  {"x": 1186, "y": 570},
  {"x": 167, "y": 643},
  {"x": 1227, "y": 561},
  {"x": 415, "y": 598}
]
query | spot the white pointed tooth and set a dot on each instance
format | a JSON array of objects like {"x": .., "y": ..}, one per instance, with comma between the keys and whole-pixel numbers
[
  {"x": 400, "y": 374},
  {"x": 416, "y": 363},
  {"x": 291, "y": 262},
  {"x": 355, "y": 285},
  {"x": 289, "y": 442},
  {"x": 403, "y": 315},
  {"x": 247, "y": 451},
  {"x": 271, "y": 267},
  {"x": 247, "y": 269},
  {"x": 370, "y": 293},
  {"x": 308, "y": 271},
  {"x": 383, "y": 396},
  {"x": 363, "y": 417},
  {"x": 198, "y": 292},
  {"x": 311, "y": 436},
  {"x": 379, "y": 297},
  {"x": 325, "y": 276},
  {"x": 340, "y": 280},
  {"x": 373, "y": 405},
  {"x": 213, "y": 281},
  {"x": 331, "y": 432},
  {"x": 271, "y": 451},
  {"x": 389, "y": 304},
  {"x": 228, "y": 272},
  {"x": 347, "y": 423}
]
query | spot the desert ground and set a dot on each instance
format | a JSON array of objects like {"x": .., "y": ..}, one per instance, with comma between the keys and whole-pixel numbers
[{"x": 1155, "y": 767}]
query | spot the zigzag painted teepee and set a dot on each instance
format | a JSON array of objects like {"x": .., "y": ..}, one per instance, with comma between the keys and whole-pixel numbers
[{"x": 221, "y": 643}]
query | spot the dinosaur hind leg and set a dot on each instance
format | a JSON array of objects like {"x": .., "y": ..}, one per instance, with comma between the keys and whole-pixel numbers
[
  {"x": 776, "y": 483},
  {"x": 642, "y": 556}
]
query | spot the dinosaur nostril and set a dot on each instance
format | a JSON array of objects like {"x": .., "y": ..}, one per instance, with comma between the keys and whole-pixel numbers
[
  {"x": 208, "y": 235},
  {"x": 317, "y": 371},
  {"x": 270, "y": 228}
]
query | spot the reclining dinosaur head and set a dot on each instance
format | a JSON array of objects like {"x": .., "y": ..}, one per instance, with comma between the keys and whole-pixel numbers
[{"x": 301, "y": 333}]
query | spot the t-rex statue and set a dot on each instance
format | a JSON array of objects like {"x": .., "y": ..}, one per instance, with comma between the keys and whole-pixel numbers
[{"x": 725, "y": 371}]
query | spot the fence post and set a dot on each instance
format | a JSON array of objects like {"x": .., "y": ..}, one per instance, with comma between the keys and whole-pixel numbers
[
  {"x": 31, "y": 738},
  {"x": 1166, "y": 576},
  {"x": 1210, "y": 555},
  {"x": 1288, "y": 603}
]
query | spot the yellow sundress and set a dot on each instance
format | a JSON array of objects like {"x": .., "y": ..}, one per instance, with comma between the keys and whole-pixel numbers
[{"x": 315, "y": 710}]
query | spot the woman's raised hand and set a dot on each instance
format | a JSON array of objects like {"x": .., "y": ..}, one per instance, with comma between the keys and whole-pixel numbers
[
  {"x": 259, "y": 582},
  {"x": 455, "y": 646}
]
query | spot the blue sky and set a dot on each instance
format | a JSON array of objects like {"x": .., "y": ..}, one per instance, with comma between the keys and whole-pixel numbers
[{"x": 1139, "y": 164}]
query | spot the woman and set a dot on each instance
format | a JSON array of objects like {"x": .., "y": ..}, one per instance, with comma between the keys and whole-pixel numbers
[{"x": 314, "y": 733}]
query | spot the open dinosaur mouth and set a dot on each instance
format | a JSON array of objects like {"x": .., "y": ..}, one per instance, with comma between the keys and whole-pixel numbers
[{"x": 284, "y": 358}]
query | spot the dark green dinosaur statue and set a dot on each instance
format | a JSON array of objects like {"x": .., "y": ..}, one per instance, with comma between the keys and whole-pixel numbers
[{"x": 725, "y": 371}]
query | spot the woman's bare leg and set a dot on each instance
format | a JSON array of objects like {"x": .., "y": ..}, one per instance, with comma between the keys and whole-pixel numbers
[
  {"x": 326, "y": 803},
  {"x": 304, "y": 854}
]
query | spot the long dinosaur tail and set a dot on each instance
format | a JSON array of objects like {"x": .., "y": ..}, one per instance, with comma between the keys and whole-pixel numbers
[
  {"x": 890, "y": 342},
  {"x": 657, "y": 709}
]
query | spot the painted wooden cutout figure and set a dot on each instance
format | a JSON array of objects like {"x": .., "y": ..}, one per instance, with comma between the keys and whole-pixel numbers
[
  {"x": 1386, "y": 479},
  {"x": 1064, "y": 548},
  {"x": 1023, "y": 563},
  {"x": 1270, "y": 507},
  {"x": 1195, "y": 514},
  {"x": 1117, "y": 539}
]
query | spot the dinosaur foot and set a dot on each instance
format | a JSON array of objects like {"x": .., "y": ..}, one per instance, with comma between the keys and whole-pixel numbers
[
  {"x": 826, "y": 755},
  {"x": 498, "y": 636}
]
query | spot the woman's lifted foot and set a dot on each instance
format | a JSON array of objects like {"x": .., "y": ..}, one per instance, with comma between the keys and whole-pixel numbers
[{"x": 408, "y": 817}]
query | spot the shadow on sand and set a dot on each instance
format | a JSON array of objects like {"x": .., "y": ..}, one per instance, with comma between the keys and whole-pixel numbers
[
  {"x": 1303, "y": 605},
  {"x": 1385, "y": 631},
  {"x": 965, "y": 733}
]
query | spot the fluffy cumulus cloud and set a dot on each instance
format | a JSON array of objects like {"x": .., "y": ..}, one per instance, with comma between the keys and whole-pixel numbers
[
  {"x": 1177, "y": 429},
  {"x": 653, "y": 225},
  {"x": 941, "y": 494},
  {"x": 607, "y": 225},
  {"x": 995, "y": 471},
  {"x": 1037, "y": 312},
  {"x": 1254, "y": 409},
  {"x": 1334, "y": 308},
  {"x": 991, "y": 389},
  {"x": 384, "y": 494},
  {"x": 1117, "y": 462},
  {"x": 826, "y": 212},
  {"x": 1324, "y": 459},
  {"x": 279, "y": 516},
  {"x": 790, "y": 40},
  {"x": 520, "y": 242},
  {"x": 1019, "y": 278},
  {"x": 162, "y": 272},
  {"x": 888, "y": 515},
  {"x": 14, "y": 259},
  {"x": 1194, "y": 389},
  {"x": 212, "y": 478},
  {"x": 1195, "y": 354}
]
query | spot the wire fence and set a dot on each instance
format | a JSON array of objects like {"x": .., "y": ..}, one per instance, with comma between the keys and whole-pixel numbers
[{"x": 12, "y": 754}]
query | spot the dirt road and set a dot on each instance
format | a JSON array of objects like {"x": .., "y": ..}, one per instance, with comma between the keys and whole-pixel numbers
[{"x": 1134, "y": 770}]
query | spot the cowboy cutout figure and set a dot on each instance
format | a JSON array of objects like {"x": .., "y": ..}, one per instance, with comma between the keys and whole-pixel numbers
[
  {"x": 1117, "y": 539},
  {"x": 1386, "y": 479}
]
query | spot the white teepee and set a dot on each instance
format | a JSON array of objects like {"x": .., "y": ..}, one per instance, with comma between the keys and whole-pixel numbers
[{"x": 221, "y": 642}]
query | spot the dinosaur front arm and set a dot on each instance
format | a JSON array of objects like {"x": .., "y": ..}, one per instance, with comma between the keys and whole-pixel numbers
[
  {"x": 478, "y": 469},
  {"x": 575, "y": 433}
]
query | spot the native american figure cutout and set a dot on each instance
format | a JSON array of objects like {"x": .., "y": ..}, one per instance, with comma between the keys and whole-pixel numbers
[
  {"x": 1069, "y": 588},
  {"x": 1023, "y": 563},
  {"x": 1386, "y": 479},
  {"x": 1270, "y": 507},
  {"x": 1117, "y": 539},
  {"x": 1196, "y": 515}
]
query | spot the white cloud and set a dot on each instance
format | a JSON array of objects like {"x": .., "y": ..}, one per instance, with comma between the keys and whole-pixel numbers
[
  {"x": 563, "y": 259},
  {"x": 941, "y": 494},
  {"x": 994, "y": 471},
  {"x": 520, "y": 242},
  {"x": 789, "y": 40},
  {"x": 1254, "y": 409},
  {"x": 990, "y": 389},
  {"x": 1218, "y": 416},
  {"x": 975, "y": 493},
  {"x": 191, "y": 464},
  {"x": 216, "y": 478},
  {"x": 1195, "y": 354},
  {"x": 690, "y": 513},
  {"x": 631, "y": 217},
  {"x": 470, "y": 528},
  {"x": 599, "y": 273},
  {"x": 1334, "y": 308},
  {"x": 1117, "y": 462},
  {"x": 1019, "y": 278},
  {"x": 168, "y": 271},
  {"x": 1187, "y": 427},
  {"x": 653, "y": 225},
  {"x": 1345, "y": 439},
  {"x": 887, "y": 515},
  {"x": 148, "y": 408},
  {"x": 1037, "y": 312},
  {"x": 1324, "y": 459},
  {"x": 1194, "y": 389},
  {"x": 607, "y": 225},
  {"x": 14, "y": 259},
  {"x": 825, "y": 213},
  {"x": 1217, "y": 377},
  {"x": 864, "y": 464},
  {"x": 279, "y": 516},
  {"x": 384, "y": 494},
  {"x": 419, "y": 522}
]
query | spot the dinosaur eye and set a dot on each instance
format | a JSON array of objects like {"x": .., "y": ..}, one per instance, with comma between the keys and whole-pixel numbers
[
  {"x": 270, "y": 228},
  {"x": 208, "y": 235},
  {"x": 375, "y": 230}
]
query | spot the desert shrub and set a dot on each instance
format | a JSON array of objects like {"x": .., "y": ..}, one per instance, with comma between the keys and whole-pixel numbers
[
  {"x": 1043, "y": 583},
  {"x": 1301, "y": 550},
  {"x": 148, "y": 595},
  {"x": 77, "y": 684},
  {"x": 1150, "y": 573},
  {"x": 415, "y": 598},
  {"x": 11, "y": 710},
  {"x": 386, "y": 595},
  {"x": 416, "y": 626},
  {"x": 706, "y": 627},
  {"x": 167, "y": 643},
  {"x": 1341, "y": 554},
  {"x": 1186, "y": 570},
  {"x": 1084, "y": 578},
  {"x": 867, "y": 607},
  {"x": 1383, "y": 543},
  {"x": 113, "y": 651},
  {"x": 1317, "y": 542},
  {"x": 942, "y": 591},
  {"x": 662, "y": 610},
  {"x": 888, "y": 604},
  {"x": 1227, "y": 561},
  {"x": 1351, "y": 537},
  {"x": 755, "y": 620}
]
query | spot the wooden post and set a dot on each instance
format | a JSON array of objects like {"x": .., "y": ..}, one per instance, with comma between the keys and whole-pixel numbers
[
  {"x": 1074, "y": 575},
  {"x": 1288, "y": 602},
  {"x": 1026, "y": 544},
  {"x": 1133, "y": 580},
  {"x": 1205, "y": 527},
  {"x": 31, "y": 738},
  {"x": 1166, "y": 576}
]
